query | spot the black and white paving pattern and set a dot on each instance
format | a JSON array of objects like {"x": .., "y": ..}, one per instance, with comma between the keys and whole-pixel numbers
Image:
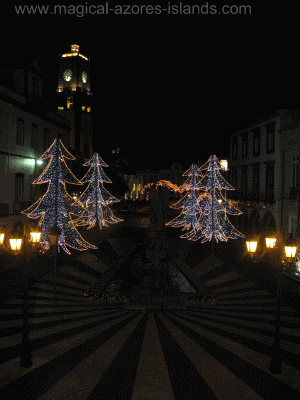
[{"x": 86, "y": 348}]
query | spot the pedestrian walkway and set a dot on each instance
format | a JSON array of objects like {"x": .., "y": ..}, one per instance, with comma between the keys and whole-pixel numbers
[{"x": 84, "y": 348}]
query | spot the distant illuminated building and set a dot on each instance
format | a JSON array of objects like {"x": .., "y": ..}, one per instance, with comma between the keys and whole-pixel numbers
[{"x": 135, "y": 185}]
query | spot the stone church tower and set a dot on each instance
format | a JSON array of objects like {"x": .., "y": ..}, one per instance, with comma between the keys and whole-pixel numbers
[{"x": 74, "y": 100}]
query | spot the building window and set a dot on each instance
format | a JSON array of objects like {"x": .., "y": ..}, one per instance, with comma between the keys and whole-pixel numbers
[
  {"x": 234, "y": 148},
  {"x": 270, "y": 182},
  {"x": 19, "y": 187},
  {"x": 35, "y": 86},
  {"x": 255, "y": 182},
  {"x": 34, "y": 136},
  {"x": 293, "y": 228},
  {"x": 295, "y": 170},
  {"x": 20, "y": 131},
  {"x": 234, "y": 177},
  {"x": 46, "y": 139},
  {"x": 270, "y": 128},
  {"x": 245, "y": 145},
  {"x": 70, "y": 103},
  {"x": 86, "y": 150},
  {"x": 244, "y": 182},
  {"x": 256, "y": 141}
]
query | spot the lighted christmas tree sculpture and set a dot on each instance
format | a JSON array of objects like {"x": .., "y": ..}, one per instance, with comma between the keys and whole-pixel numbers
[
  {"x": 214, "y": 206},
  {"x": 56, "y": 205},
  {"x": 191, "y": 212},
  {"x": 96, "y": 198}
]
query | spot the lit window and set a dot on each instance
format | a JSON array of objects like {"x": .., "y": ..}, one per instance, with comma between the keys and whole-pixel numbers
[{"x": 70, "y": 103}]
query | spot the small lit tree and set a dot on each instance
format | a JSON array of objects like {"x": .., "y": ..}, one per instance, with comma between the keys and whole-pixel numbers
[
  {"x": 96, "y": 198},
  {"x": 56, "y": 205},
  {"x": 191, "y": 212}
]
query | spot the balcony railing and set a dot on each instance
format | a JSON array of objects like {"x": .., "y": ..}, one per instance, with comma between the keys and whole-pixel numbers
[
  {"x": 19, "y": 206},
  {"x": 255, "y": 196}
]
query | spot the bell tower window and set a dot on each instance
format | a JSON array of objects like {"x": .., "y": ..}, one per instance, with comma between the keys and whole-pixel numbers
[{"x": 70, "y": 103}]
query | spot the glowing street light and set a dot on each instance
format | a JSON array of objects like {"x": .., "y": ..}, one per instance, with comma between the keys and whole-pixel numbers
[
  {"x": 251, "y": 246},
  {"x": 290, "y": 248}
]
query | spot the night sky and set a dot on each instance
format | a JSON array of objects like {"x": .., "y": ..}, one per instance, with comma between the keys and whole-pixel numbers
[{"x": 169, "y": 88}]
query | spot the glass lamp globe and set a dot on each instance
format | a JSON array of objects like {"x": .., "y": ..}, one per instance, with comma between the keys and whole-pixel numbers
[
  {"x": 251, "y": 246},
  {"x": 35, "y": 237},
  {"x": 270, "y": 242},
  {"x": 15, "y": 244},
  {"x": 290, "y": 247}
]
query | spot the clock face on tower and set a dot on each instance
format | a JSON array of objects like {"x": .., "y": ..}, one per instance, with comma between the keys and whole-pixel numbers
[
  {"x": 84, "y": 77},
  {"x": 67, "y": 75}
]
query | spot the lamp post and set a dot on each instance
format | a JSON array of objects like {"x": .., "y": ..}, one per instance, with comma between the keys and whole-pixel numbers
[
  {"x": 54, "y": 234},
  {"x": 290, "y": 248},
  {"x": 16, "y": 241}
]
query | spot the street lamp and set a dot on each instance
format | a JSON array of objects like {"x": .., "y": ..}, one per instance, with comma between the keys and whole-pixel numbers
[
  {"x": 16, "y": 242},
  {"x": 251, "y": 246},
  {"x": 224, "y": 164},
  {"x": 2, "y": 234},
  {"x": 290, "y": 247},
  {"x": 35, "y": 237}
]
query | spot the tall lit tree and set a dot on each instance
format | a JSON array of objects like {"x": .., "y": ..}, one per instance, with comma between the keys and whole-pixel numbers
[
  {"x": 214, "y": 206},
  {"x": 56, "y": 205},
  {"x": 96, "y": 198}
]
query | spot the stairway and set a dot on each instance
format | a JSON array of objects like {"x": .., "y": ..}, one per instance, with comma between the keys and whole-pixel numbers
[{"x": 83, "y": 348}]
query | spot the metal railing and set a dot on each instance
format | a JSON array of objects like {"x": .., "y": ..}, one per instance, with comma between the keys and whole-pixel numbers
[{"x": 255, "y": 196}]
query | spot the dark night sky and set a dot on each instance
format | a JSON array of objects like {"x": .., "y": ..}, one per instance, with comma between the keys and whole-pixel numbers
[{"x": 169, "y": 88}]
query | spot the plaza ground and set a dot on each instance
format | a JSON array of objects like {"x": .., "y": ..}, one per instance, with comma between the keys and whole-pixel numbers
[{"x": 86, "y": 348}]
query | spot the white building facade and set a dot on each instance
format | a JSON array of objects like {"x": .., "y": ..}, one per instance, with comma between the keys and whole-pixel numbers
[
  {"x": 24, "y": 136},
  {"x": 263, "y": 159}
]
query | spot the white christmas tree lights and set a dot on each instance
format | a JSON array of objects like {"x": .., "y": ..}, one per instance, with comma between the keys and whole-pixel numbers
[
  {"x": 56, "y": 205},
  {"x": 96, "y": 198},
  {"x": 191, "y": 212},
  {"x": 214, "y": 206}
]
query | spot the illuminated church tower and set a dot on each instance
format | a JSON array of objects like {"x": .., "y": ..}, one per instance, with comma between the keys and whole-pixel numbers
[{"x": 74, "y": 100}]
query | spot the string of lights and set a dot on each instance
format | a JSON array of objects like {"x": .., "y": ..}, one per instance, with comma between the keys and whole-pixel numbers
[{"x": 163, "y": 183}]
